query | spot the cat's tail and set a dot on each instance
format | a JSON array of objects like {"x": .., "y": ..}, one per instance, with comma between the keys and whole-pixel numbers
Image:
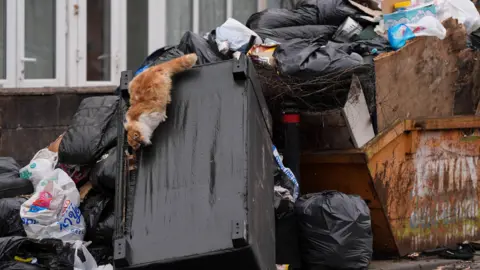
[{"x": 179, "y": 64}]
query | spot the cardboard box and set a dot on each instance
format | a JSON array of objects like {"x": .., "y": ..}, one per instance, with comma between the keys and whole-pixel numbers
[{"x": 387, "y": 6}]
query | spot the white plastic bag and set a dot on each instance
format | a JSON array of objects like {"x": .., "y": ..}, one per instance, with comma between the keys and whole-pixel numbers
[
  {"x": 89, "y": 263},
  {"x": 237, "y": 34},
  {"x": 463, "y": 10},
  {"x": 41, "y": 165},
  {"x": 427, "y": 26},
  {"x": 52, "y": 212}
]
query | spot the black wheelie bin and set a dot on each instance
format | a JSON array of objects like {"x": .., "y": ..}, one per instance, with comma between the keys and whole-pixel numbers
[{"x": 202, "y": 193}]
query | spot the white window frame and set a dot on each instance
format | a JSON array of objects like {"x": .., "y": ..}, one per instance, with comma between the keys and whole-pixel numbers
[
  {"x": 10, "y": 45},
  {"x": 71, "y": 38},
  {"x": 60, "y": 47},
  {"x": 77, "y": 60},
  {"x": 157, "y": 16}
]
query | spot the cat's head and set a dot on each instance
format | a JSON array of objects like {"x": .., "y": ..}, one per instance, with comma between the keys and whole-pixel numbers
[{"x": 135, "y": 138}]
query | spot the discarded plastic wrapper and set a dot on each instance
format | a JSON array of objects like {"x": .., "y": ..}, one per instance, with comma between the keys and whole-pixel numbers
[
  {"x": 237, "y": 34},
  {"x": 263, "y": 54},
  {"x": 270, "y": 42},
  {"x": 31, "y": 260},
  {"x": 87, "y": 262},
  {"x": 281, "y": 193},
  {"x": 347, "y": 31},
  {"x": 79, "y": 174},
  {"x": 52, "y": 212},
  {"x": 427, "y": 26},
  {"x": 223, "y": 46},
  {"x": 288, "y": 172},
  {"x": 371, "y": 8}
]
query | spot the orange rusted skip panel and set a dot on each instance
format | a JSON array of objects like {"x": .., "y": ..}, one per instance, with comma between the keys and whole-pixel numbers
[{"x": 423, "y": 175}]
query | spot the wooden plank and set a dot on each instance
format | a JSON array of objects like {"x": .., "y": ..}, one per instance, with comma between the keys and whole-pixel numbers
[{"x": 456, "y": 122}]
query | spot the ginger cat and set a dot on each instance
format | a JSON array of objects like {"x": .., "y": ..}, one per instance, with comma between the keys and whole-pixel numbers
[{"x": 149, "y": 97}]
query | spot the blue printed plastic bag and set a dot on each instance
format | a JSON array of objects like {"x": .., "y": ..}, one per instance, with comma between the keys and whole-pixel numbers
[
  {"x": 427, "y": 26},
  {"x": 398, "y": 35},
  {"x": 288, "y": 173},
  {"x": 52, "y": 212}
]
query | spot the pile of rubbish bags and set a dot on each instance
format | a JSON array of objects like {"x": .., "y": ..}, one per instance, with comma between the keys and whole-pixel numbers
[
  {"x": 313, "y": 40},
  {"x": 57, "y": 212}
]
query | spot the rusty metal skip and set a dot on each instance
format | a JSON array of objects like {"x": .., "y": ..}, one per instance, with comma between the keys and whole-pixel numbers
[{"x": 420, "y": 179}]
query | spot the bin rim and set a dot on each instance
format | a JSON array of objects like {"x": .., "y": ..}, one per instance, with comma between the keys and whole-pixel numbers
[{"x": 399, "y": 127}]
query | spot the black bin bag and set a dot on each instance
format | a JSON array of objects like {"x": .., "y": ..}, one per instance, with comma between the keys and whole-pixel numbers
[
  {"x": 159, "y": 56},
  {"x": 308, "y": 12},
  {"x": 14, "y": 265},
  {"x": 10, "y": 220},
  {"x": 50, "y": 253},
  {"x": 279, "y": 17},
  {"x": 332, "y": 12},
  {"x": 91, "y": 133},
  {"x": 311, "y": 58},
  {"x": 335, "y": 231},
  {"x": 206, "y": 51},
  {"x": 104, "y": 172},
  {"x": 99, "y": 218},
  {"x": 292, "y": 32},
  {"x": 11, "y": 185}
]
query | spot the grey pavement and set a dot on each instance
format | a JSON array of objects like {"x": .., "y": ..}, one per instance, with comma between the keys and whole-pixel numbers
[{"x": 424, "y": 264}]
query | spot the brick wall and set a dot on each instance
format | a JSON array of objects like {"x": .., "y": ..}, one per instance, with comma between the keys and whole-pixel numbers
[{"x": 32, "y": 118}]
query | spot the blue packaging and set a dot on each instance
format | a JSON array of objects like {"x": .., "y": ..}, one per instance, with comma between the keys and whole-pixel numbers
[
  {"x": 409, "y": 16},
  {"x": 398, "y": 35}
]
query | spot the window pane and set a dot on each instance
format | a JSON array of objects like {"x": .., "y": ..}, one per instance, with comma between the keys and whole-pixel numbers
[
  {"x": 40, "y": 39},
  {"x": 243, "y": 9},
  {"x": 179, "y": 19},
  {"x": 98, "y": 40},
  {"x": 137, "y": 33},
  {"x": 3, "y": 38},
  {"x": 212, "y": 14}
]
